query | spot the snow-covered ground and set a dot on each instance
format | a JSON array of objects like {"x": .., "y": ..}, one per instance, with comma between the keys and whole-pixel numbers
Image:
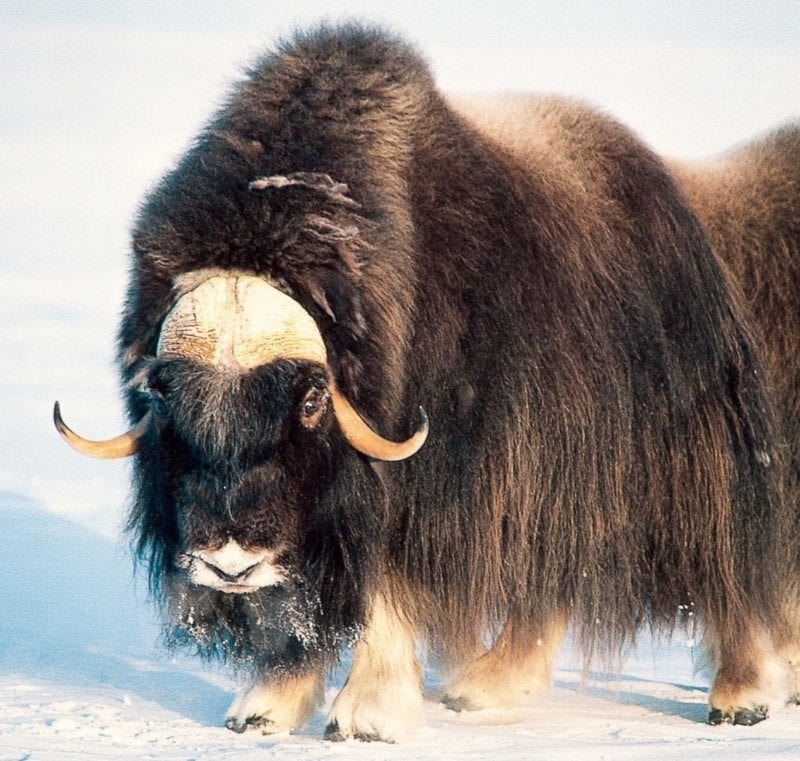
[
  {"x": 83, "y": 678},
  {"x": 95, "y": 105}
]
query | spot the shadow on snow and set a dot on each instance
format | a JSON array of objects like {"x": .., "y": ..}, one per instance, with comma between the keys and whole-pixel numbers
[{"x": 72, "y": 611}]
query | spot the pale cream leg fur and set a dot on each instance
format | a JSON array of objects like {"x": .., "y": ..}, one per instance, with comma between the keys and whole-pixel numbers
[
  {"x": 793, "y": 658},
  {"x": 382, "y": 697},
  {"x": 788, "y": 641},
  {"x": 510, "y": 670},
  {"x": 277, "y": 706},
  {"x": 751, "y": 678}
]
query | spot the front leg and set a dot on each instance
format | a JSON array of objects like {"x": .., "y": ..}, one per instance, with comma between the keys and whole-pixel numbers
[
  {"x": 382, "y": 697},
  {"x": 277, "y": 705},
  {"x": 519, "y": 663}
]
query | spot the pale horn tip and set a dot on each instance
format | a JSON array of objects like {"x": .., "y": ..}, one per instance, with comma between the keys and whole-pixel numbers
[{"x": 57, "y": 420}]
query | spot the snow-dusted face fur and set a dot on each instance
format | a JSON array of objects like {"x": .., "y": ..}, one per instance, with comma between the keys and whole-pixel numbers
[
  {"x": 236, "y": 492},
  {"x": 239, "y": 451}
]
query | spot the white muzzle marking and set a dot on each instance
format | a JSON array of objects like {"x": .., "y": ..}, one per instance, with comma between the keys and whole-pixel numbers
[{"x": 232, "y": 568}]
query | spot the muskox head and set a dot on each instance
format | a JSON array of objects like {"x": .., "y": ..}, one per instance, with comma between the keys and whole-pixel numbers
[{"x": 256, "y": 499}]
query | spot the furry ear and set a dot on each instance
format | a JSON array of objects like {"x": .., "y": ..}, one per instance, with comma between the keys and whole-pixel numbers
[
  {"x": 336, "y": 295},
  {"x": 335, "y": 302}
]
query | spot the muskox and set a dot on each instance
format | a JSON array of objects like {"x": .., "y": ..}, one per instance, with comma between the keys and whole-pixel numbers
[{"x": 342, "y": 247}]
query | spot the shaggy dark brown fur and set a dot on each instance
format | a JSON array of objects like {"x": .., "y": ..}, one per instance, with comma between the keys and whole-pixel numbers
[
  {"x": 749, "y": 202},
  {"x": 602, "y": 441}
]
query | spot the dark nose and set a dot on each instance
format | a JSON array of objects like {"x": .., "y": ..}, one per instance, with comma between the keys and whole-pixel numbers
[
  {"x": 230, "y": 576},
  {"x": 232, "y": 567}
]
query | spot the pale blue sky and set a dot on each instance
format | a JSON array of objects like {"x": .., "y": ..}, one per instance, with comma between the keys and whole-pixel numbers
[{"x": 696, "y": 22}]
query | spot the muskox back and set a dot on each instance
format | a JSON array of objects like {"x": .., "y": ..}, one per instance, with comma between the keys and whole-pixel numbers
[
  {"x": 621, "y": 375},
  {"x": 749, "y": 203}
]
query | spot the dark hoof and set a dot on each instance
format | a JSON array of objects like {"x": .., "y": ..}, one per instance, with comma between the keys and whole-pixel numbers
[
  {"x": 251, "y": 722},
  {"x": 457, "y": 704},
  {"x": 745, "y": 717},
  {"x": 749, "y": 716},
  {"x": 368, "y": 737},
  {"x": 235, "y": 725},
  {"x": 333, "y": 733}
]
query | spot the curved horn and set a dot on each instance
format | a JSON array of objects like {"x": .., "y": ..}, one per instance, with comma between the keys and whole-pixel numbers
[
  {"x": 362, "y": 438},
  {"x": 120, "y": 446}
]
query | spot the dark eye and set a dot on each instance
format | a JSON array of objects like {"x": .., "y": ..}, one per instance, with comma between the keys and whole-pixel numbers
[
  {"x": 158, "y": 405},
  {"x": 153, "y": 389},
  {"x": 313, "y": 407}
]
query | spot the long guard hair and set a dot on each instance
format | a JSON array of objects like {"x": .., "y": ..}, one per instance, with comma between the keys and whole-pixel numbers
[{"x": 602, "y": 442}]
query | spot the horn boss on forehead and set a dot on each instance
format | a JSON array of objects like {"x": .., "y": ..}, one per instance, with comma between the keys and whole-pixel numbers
[{"x": 241, "y": 322}]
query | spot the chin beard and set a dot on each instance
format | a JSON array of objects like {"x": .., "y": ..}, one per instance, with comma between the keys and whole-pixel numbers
[{"x": 277, "y": 629}]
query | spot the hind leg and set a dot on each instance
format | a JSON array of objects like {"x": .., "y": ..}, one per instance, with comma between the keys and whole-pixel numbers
[
  {"x": 787, "y": 641},
  {"x": 751, "y": 676},
  {"x": 519, "y": 663}
]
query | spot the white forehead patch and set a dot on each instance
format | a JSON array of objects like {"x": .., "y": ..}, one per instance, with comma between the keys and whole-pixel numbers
[{"x": 240, "y": 321}]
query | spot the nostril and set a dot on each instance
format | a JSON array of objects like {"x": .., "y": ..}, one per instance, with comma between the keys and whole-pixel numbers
[
  {"x": 234, "y": 577},
  {"x": 228, "y": 565}
]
